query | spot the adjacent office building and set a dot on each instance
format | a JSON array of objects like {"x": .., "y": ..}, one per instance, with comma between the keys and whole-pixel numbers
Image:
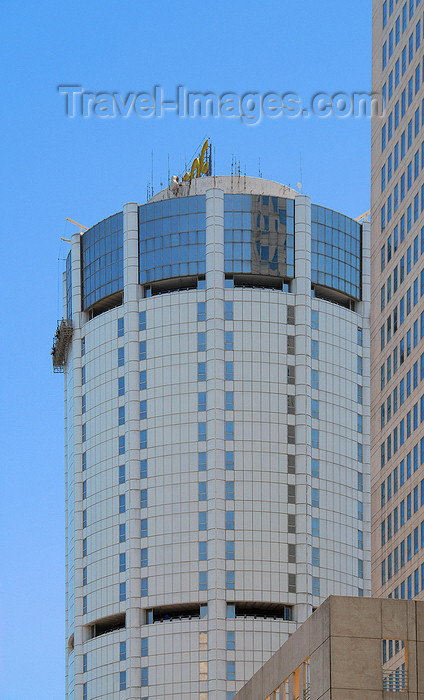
[
  {"x": 397, "y": 310},
  {"x": 215, "y": 345}
]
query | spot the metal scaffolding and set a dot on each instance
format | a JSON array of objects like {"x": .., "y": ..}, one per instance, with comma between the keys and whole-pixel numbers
[{"x": 61, "y": 341}]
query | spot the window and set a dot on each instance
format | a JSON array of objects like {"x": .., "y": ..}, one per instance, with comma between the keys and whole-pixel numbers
[
  {"x": 201, "y": 401},
  {"x": 229, "y": 490},
  {"x": 121, "y": 356},
  {"x": 84, "y": 576},
  {"x": 201, "y": 311},
  {"x": 315, "y": 379},
  {"x": 143, "y": 379},
  {"x": 359, "y": 365},
  {"x": 122, "y": 561},
  {"x": 291, "y": 523},
  {"x": 122, "y": 536},
  {"x": 315, "y": 408},
  {"x": 231, "y": 672},
  {"x": 122, "y": 503},
  {"x": 144, "y": 587},
  {"x": 201, "y": 371},
  {"x": 229, "y": 430},
  {"x": 231, "y": 641},
  {"x": 120, "y": 327},
  {"x": 315, "y": 527},
  {"x": 203, "y": 580},
  {"x": 143, "y": 469},
  {"x": 144, "y": 676},
  {"x": 291, "y": 345},
  {"x": 315, "y": 585},
  {"x": 201, "y": 432},
  {"x": 143, "y": 527},
  {"x": 314, "y": 349},
  {"x": 143, "y": 439},
  {"x": 229, "y": 460},
  {"x": 142, "y": 321},
  {"x": 143, "y": 498},
  {"x": 121, "y": 386},
  {"x": 144, "y": 557},
  {"x": 203, "y": 521},
  {"x": 315, "y": 556},
  {"x": 203, "y": 551},
  {"x": 228, "y": 310},
  {"x": 292, "y": 583},
  {"x": 121, "y": 415},
  {"x": 201, "y": 342},
  {"x": 229, "y": 580},
  {"x": 315, "y": 468},
  {"x": 122, "y": 680},
  {"x": 202, "y": 461},
  {"x": 229, "y": 549},
  {"x": 315, "y": 498},
  {"x": 229, "y": 371},
  {"x": 203, "y": 491},
  {"x": 359, "y": 394},
  {"x": 229, "y": 520},
  {"x": 122, "y": 592},
  {"x": 84, "y": 432},
  {"x": 143, "y": 409},
  {"x": 360, "y": 510},
  {"x": 229, "y": 340},
  {"x": 315, "y": 438},
  {"x": 229, "y": 401}
]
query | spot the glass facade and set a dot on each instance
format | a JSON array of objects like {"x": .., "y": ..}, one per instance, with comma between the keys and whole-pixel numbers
[
  {"x": 101, "y": 260},
  {"x": 336, "y": 251},
  {"x": 259, "y": 240},
  {"x": 172, "y": 238},
  {"x": 259, "y": 235}
]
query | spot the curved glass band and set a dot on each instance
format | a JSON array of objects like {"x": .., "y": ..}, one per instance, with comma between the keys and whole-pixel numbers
[{"x": 259, "y": 239}]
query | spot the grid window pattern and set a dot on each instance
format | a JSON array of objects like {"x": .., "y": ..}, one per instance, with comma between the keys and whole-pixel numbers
[
  {"x": 101, "y": 260},
  {"x": 259, "y": 235},
  {"x": 172, "y": 238},
  {"x": 336, "y": 251}
]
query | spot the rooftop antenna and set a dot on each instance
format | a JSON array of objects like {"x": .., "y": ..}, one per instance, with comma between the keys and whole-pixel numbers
[
  {"x": 152, "y": 172},
  {"x": 259, "y": 169},
  {"x": 299, "y": 184},
  {"x": 169, "y": 172}
]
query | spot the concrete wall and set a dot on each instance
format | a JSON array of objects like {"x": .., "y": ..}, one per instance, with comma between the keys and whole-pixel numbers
[{"x": 343, "y": 642}]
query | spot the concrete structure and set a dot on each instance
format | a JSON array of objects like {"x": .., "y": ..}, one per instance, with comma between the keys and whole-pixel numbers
[
  {"x": 397, "y": 312},
  {"x": 349, "y": 649},
  {"x": 217, "y": 434}
]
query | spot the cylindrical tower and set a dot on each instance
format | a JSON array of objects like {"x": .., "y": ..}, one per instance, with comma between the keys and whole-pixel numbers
[{"x": 217, "y": 434}]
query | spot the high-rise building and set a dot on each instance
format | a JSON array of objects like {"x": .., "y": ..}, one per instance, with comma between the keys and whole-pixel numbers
[
  {"x": 397, "y": 325},
  {"x": 216, "y": 350}
]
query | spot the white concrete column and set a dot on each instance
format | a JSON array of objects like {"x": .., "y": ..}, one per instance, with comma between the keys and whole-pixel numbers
[
  {"x": 302, "y": 289},
  {"x": 215, "y": 436},
  {"x": 132, "y": 447},
  {"x": 74, "y": 365}
]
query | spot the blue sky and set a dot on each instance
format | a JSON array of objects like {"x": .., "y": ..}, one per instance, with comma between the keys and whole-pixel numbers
[{"x": 55, "y": 166}]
